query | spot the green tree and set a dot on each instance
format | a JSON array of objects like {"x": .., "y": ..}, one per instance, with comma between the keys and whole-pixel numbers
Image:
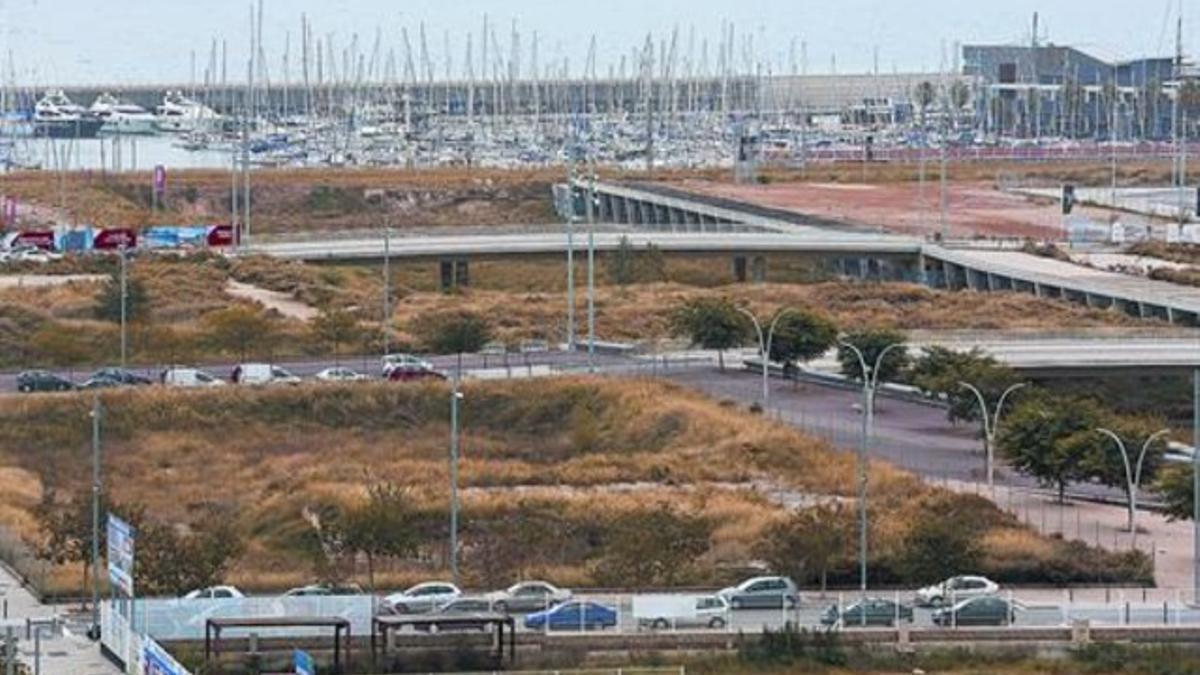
[
  {"x": 809, "y": 542},
  {"x": 802, "y": 336},
  {"x": 872, "y": 343},
  {"x": 237, "y": 329},
  {"x": 936, "y": 548},
  {"x": 381, "y": 526},
  {"x": 1037, "y": 438},
  {"x": 1174, "y": 485},
  {"x": 334, "y": 328},
  {"x": 65, "y": 527},
  {"x": 656, "y": 547},
  {"x": 1102, "y": 461},
  {"x": 938, "y": 371},
  {"x": 455, "y": 332},
  {"x": 710, "y": 323},
  {"x": 173, "y": 560},
  {"x": 108, "y": 300}
]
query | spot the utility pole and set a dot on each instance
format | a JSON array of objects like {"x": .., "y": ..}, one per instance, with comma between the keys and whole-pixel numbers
[
  {"x": 591, "y": 264},
  {"x": 455, "y": 397},
  {"x": 96, "y": 414},
  {"x": 387, "y": 287},
  {"x": 571, "y": 300},
  {"x": 124, "y": 309}
]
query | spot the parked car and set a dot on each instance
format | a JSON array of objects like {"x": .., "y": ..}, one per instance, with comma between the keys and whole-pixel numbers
[
  {"x": 421, "y": 598},
  {"x": 462, "y": 611},
  {"x": 339, "y": 374},
  {"x": 261, "y": 373},
  {"x": 573, "y": 615},
  {"x": 189, "y": 378},
  {"x": 125, "y": 377},
  {"x": 954, "y": 589},
  {"x": 762, "y": 593},
  {"x": 42, "y": 380},
  {"x": 101, "y": 382},
  {"x": 528, "y": 596},
  {"x": 868, "y": 612},
  {"x": 986, "y": 610},
  {"x": 31, "y": 254},
  {"x": 711, "y": 611},
  {"x": 214, "y": 593},
  {"x": 405, "y": 367},
  {"x": 324, "y": 589}
]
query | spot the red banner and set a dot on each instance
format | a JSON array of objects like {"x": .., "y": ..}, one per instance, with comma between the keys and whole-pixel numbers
[
  {"x": 115, "y": 239},
  {"x": 43, "y": 239}
]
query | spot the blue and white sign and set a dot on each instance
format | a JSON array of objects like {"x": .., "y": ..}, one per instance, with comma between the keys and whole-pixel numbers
[
  {"x": 156, "y": 660},
  {"x": 304, "y": 663},
  {"x": 121, "y": 536}
]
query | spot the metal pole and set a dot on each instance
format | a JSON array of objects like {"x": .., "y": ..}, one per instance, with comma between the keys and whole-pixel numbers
[
  {"x": 571, "y": 301},
  {"x": 762, "y": 355},
  {"x": 591, "y": 267},
  {"x": 387, "y": 288},
  {"x": 454, "y": 398},
  {"x": 868, "y": 422},
  {"x": 1195, "y": 480},
  {"x": 97, "y": 412},
  {"x": 124, "y": 310}
]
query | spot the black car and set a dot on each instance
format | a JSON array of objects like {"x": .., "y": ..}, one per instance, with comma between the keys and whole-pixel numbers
[
  {"x": 42, "y": 380},
  {"x": 121, "y": 376}
]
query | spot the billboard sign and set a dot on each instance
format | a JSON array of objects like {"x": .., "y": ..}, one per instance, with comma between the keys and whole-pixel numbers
[
  {"x": 121, "y": 536},
  {"x": 43, "y": 239},
  {"x": 160, "y": 180},
  {"x": 116, "y": 238}
]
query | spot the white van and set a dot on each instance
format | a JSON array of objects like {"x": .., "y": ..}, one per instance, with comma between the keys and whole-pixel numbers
[
  {"x": 191, "y": 378},
  {"x": 262, "y": 373}
]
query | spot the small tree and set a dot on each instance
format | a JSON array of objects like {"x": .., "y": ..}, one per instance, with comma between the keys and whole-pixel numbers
[
  {"x": 108, "y": 300},
  {"x": 936, "y": 548},
  {"x": 938, "y": 371},
  {"x": 802, "y": 336},
  {"x": 455, "y": 332},
  {"x": 809, "y": 542},
  {"x": 710, "y": 323},
  {"x": 333, "y": 328},
  {"x": 1102, "y": 461},
  {"x": 653, "y": 548},
  {"x": 1175, "y": 486},
  {"x": 381, "y": 526},
  {"x": 65, "y": 527},
  {"x": 622, "y": 262},
  {"x": 1037, "y": 438},
  {"x": 172, "y": 560},
  {"x": 872, "y": 343},
  {"x": 237, "y": 329}
]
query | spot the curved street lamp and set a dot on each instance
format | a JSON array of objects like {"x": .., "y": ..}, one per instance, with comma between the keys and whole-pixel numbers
[
  {"x": 764, "y": 346},
  {"x": 1133, "y": 473},
  {"x": 990, "y": 425},
  {"x": 870, "y": 382}
]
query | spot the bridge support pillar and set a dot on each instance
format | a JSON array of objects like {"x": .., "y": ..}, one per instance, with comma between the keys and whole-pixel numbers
[{"x": 453, "y": 273}]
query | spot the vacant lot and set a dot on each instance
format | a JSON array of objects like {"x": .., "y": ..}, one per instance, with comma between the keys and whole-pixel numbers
[{"x": 577, "y": 457}]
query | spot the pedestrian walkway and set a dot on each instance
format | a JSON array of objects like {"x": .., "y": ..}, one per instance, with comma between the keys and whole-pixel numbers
[
  {"x": 66, "y": 653},
  {"x": 1169, "y": 544}
]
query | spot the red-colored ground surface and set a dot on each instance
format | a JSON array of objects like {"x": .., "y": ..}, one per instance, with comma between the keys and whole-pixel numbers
[{"x": 974, "y": 209}]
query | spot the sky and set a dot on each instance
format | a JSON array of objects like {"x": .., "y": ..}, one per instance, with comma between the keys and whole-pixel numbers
[{"x": 144, "y": 41}]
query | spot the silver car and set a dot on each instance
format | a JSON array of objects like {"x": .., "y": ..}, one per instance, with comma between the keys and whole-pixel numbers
[
  {"x": 762, "y": 593},
  {"x": 528, "y": 596}
]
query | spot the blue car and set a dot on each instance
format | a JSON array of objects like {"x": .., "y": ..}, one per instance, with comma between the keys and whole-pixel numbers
[{"x": 573, "y": 615}]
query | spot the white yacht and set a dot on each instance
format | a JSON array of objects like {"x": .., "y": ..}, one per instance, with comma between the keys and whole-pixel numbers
[
  {"x": 56, "y": 116},
  {"x": 122, "y": 118},
  {"x": 181, "y": 114}
]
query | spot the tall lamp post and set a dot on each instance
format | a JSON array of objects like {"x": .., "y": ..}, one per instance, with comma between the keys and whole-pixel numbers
[
  {"x": 990, "y": 425},
  {"x": 455, "y": 397},
  {"x": 764, "y": 347},
  {"x": 96, "y": 415},
  {"x": 124, "y": 308},
  {"x": 1133, "y": 472},
  {"x": 870, "y": 382}
]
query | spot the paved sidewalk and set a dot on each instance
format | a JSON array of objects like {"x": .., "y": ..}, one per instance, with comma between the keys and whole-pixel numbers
[
  {"x": 1104, "y": 525},
  {"x": 71, "y": 653}
]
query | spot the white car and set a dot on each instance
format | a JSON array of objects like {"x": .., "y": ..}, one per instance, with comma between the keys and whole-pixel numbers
[
  {"x": 956, "y": 589},
  {"x": 422, "y": 598},
  {"x": 405, "y": 361},
  {"x": 262, "y": 373},
  {"x": 528, "y": 596},
  {"x": 214, "y": 593},
  {"x": 711, "y": 611},
  {"x": 190, "y": 378},
  {"x": 32, "y": 254},
  {"x": 339, "y": 374}
]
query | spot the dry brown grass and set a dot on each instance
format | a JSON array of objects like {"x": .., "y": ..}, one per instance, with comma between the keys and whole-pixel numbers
[{"x": 588, "y": 450}]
